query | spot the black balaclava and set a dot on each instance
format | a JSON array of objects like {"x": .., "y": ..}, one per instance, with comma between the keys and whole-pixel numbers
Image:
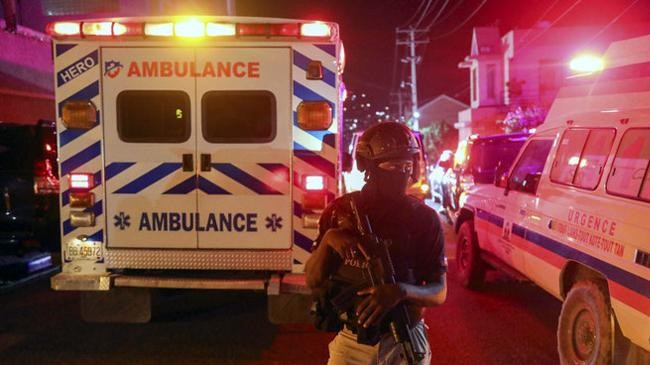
[{"x": 388, "y": 185}]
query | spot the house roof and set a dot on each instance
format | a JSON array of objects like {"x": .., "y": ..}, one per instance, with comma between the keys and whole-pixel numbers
[
  {"x": 485, "y": 41},
  {"x": 443, "y": 98}
]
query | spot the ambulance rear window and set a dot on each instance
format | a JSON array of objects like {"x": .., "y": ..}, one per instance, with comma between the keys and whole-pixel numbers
[
  {"x": 153, "y": 116},
  {"x": 238, "y": 116}
]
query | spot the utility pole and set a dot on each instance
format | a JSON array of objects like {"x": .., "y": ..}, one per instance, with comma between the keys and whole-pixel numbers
[{"x": 413, "y": 59}]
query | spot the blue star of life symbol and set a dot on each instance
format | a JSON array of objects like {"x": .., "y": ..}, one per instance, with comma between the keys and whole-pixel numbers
[
  {"x": 274, "y": 222},
  {"x": 122, "y": 221}
]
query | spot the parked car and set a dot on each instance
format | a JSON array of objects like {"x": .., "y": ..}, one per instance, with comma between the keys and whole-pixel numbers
[
  {"x": 437, "y": 174},
  {"x": 29, "y": 187},
  {"x": 476, "y": 161},
  {"x": 353, "y": 179}
]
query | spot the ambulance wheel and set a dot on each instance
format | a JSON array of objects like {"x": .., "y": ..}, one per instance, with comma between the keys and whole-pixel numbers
[
  {"x": 471, "y": 268},
  {"x": 584, "y": 334}
]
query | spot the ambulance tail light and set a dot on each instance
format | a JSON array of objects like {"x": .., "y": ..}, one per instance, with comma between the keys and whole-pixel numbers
[
  {"x": 82, "y": 219},
  {"x": 315, "y": 196},
  {"x": 316, "y": 30},
  {"x": 314, "y": 183},
  {"x": 81, "y": 182},
  {"x": 79, "y": 114},
  {"x": 314, "y": 115},
  {"x": 81, "y": 197}
]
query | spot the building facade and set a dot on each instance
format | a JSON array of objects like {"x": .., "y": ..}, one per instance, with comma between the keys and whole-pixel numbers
[
  {"x": 437, "y": 119},
  {"x": 520, "y": 72}
]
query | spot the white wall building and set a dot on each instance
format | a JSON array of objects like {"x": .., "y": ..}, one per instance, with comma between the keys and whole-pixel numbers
[{"x": 524, "y": 68}]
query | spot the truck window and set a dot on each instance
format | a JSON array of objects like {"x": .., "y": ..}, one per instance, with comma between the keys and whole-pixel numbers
[
  {"x": 487, "y": 155},
  {"x": 629, "y": 174},
  {"x": 153, "y": 116},
  {"x": 238, "y": 116},
  {"x": 526, "y": 174},
  {"x": 581, "y": 157},
  {"x": 594, "y": 156},
  {"x": 568, "y": 155}
]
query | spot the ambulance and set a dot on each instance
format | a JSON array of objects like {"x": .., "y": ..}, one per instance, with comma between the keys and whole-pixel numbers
[
  {"x": 194, "y": 153},
  {"x": 572, "y": 214}
]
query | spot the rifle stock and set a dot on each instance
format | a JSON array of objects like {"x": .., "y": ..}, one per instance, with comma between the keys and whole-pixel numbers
[{"x": 380, "y": 270}]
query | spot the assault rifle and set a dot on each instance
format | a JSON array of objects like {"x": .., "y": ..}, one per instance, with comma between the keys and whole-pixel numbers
[{"x": 380, "y": 270}]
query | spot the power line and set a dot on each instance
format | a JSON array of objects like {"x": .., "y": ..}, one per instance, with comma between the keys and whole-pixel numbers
[
  {"x": 463, "y": 22},
  {"x": 412, "y": 18},
  {"x": 523, "y": 38},
  {"x": 552, "y": 24},
  {"x": 452, "y": 10},
  {"x": 426, "y": 12},
  {"x": 614, "y": 20},
  {"x": 435, "y": 19}
]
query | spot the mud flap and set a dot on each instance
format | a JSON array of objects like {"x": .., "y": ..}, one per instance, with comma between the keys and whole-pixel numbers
[
  {"x": 118, "y": 305},
  {"x": 627, "y": 353},
  {"x": 289, "y": 308}
]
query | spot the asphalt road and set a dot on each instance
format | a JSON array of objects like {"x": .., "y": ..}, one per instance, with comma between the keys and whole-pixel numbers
[{"x": 505, "y": 323}]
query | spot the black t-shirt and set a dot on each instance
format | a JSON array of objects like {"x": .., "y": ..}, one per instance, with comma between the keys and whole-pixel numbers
[{"x": 417, "y": 243}]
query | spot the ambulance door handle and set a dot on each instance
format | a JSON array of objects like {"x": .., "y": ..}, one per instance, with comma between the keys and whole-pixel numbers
[
  {"x": 188, "y": 162},
  {"x": 206, "y": 162}
]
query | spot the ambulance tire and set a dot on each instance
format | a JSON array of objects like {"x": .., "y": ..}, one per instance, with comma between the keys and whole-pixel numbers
[
  {"x": 471, "y": 268},
  {"x": 584, "y": 332}
]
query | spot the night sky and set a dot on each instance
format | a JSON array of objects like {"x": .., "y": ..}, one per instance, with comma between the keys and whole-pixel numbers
[{"x": 368, "y": 32}]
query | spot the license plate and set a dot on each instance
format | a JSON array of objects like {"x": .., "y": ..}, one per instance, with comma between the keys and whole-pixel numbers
[{"x": 84, "y": 250}]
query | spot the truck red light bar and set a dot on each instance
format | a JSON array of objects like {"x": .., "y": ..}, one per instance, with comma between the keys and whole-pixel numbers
[
  {"x": 191, "y": 27},
  {"x": 81, "y": 181}
]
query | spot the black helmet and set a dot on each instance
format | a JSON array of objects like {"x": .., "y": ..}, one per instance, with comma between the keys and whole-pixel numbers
[{"x": 385, "y": 141}]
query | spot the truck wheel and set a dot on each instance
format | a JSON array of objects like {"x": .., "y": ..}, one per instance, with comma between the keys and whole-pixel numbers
[
  {"x": 471, "y": 269},
  {"x": 584, "y": 334}
]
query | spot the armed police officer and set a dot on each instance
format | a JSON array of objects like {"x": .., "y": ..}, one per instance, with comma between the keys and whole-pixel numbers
[{"x": 365, "y": 311}]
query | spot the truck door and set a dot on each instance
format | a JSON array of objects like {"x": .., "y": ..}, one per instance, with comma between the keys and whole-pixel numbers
[
  {"x": 521, "y": 202},
  {"x": 244, "y": 145},
  {"x": 149, "y": 147}
]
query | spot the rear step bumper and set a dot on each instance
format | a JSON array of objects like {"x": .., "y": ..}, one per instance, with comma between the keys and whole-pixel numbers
[{"x": 273, "y": 285}]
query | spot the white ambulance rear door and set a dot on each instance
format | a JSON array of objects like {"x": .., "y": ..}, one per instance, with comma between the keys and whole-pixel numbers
[
  {"x": 244, "y": 146},
  {"x": 149, "y": 144}
]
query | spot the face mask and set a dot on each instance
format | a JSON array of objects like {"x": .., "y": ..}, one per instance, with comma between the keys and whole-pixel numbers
[{"x": 391, "y": 184}]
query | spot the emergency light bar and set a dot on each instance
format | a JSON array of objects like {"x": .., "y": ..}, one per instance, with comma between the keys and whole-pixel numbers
[{"x": 192, "y": 27}]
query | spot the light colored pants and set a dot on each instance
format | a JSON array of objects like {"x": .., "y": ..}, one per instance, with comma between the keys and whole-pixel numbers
[{"x": 344, "y": 349}]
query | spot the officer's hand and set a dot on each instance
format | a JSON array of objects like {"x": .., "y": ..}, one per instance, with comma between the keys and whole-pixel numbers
[
  {"x": 343, "y": 241},
  {"x": 380, "y": 299}
]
